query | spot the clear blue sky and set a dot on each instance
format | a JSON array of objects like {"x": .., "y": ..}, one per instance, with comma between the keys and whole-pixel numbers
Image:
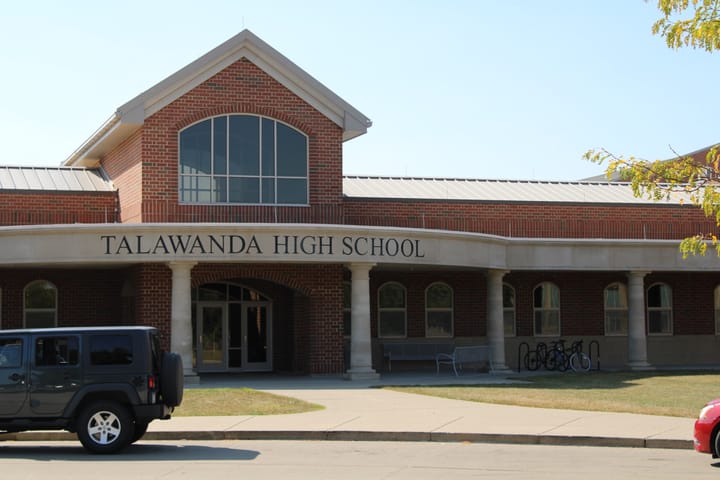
[{"x": 478, "y": 88}]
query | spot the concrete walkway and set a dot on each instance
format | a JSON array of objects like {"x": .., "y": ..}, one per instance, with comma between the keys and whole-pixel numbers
[{"x": 354, "y": 410}]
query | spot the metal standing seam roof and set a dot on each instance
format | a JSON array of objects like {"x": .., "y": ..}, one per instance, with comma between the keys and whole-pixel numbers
[
  {"x": 459, "y": 189},
  {"x": 54, "y": 179}
]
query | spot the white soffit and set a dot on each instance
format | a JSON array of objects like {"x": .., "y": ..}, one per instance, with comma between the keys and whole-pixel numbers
[{"x": 130, "y": 116}]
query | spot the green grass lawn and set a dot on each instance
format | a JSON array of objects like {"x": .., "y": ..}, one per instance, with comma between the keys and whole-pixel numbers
[
  {"x": 678, "y": 394},
  {"x": 238, "y": 401}
]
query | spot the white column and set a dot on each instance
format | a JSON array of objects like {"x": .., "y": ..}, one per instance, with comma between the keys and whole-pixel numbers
[
  {"x": 637, "y": 338},
  {"x": 181, "y": 315},
  {"x": 495, "y": 320},
  {"x": 360, "y": 339}
]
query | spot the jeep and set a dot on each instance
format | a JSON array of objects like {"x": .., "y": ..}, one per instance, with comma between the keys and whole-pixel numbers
[{"x": 106, "y": 384}]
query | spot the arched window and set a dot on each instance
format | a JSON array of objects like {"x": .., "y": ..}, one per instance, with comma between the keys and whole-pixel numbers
[
  {"x": 392, "y": 309},
  {"x": 659, "y": 309},
  {"x": 439, "y": 310},
  {"x": 717, "y": 310},
  {"x": 546, "y": 309},
  {"x": 40, "y": 304},
  {"x": 509, "y": 310},
  {"x": 243, "y": 159},
  {"x": 616, "y": 309}
]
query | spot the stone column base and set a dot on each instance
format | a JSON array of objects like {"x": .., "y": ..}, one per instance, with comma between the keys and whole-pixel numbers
[
  {"x": 640, "y": 366},
  {"x": 361, "y": 375}
]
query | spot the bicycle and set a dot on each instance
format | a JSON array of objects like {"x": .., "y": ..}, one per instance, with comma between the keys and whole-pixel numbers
[
  {"x": 535, "y": 358},
  {"x": 557, "y": 359},
  {"x": 578, "y": 361}
]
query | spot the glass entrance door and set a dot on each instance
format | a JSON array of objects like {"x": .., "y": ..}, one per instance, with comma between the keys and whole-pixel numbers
[
  {"x": 211, "y": 337},
  {"x": 234, "y": 336}
]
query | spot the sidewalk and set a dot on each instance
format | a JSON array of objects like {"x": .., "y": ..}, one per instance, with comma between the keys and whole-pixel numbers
[{"x": 354, "y": 410}]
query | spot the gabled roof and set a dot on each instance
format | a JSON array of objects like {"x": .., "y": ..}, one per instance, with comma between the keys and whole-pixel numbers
[
  {"x": 54, "y": 179},
  {"x": 130, "y": 116},
  {"x": 472, "y": 190}
]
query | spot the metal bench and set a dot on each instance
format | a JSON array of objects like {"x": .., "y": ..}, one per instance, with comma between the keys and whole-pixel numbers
[
  {"x": 414, "y": 351},
  {"x": 479, "y": 354}
]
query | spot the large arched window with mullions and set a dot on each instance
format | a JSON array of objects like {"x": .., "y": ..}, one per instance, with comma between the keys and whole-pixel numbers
[{"x": 243, "y": 159}]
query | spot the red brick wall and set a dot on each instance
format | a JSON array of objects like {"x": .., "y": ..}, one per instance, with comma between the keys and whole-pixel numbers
[
  {"x": 241, "y": 88},
  {"x": 39, "y": 208},
  {"x": 542, "y": 220},
  {"x": 153, "y": 287},
  {"x": 90, "y": 298},
  {"x": 123, "y": 165}
]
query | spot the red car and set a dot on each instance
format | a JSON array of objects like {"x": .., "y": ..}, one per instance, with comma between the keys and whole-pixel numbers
[{"x": 707, "y": 429}]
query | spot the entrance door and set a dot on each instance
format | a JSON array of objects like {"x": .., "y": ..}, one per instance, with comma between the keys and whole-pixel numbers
[
  {"x": 211, "y": 337},
  {"x": 234, "y": 336}
]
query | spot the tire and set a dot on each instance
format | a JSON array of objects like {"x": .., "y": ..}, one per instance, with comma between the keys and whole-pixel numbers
[
  {"x": 580, "y": 362},
  {"x": 553, "y": 360},
  {"x": 715, "y": 443},
  {"x": 105, "y": 427},
  {"x": 139, "y": 431},
  {"x": 171, "y": 379}
]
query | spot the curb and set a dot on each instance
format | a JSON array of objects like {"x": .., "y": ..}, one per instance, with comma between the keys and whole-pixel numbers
[{"x": 368, "y": 436}]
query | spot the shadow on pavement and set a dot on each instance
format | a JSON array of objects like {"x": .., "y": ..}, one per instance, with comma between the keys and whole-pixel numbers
[{"x": 140, "y": 452}]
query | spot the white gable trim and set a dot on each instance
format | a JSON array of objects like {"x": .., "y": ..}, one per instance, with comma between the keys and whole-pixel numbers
[{"x": 130, "y": 116}]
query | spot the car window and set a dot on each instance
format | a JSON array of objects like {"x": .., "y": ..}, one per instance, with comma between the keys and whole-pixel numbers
[
  {"x": 111, "y": 350},
  {"x": 56, "y": 351},
  {"x": 10, "y": 352}
]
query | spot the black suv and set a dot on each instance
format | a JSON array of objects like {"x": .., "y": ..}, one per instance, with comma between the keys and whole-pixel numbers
[{"x": 104, "y": 383}]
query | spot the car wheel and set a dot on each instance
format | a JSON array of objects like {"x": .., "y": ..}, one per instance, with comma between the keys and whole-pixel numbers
[
  {"x": 715, "y": 442},
  {"x": 171, "y": 379},
  {"x": 105, "y": 427}
]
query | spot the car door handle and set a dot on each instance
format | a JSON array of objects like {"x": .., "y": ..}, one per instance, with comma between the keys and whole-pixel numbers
[{"x": 16, "y": 377}]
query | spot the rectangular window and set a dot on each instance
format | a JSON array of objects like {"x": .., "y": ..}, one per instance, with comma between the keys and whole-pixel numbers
[
  {"x": 439, "y": 323},
  {"x": 220, "y": 146},
  {"x": 10, "y": 352},
  {"x": 392, "y": 323},
  {"x": 111, "y": 350},
  {"x": 659, "y": 322},
  {"x": 56, "y": 351},
  {"x": 547, "y": 323},
  {"x": 244, "y": 145},
  {"x": 616, "y": 321}
]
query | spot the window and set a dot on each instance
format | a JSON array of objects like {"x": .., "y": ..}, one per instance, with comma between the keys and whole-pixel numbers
[
  {"x": 243, "y": 159},
  {"x": 56, "y": 351},
  {"x": 717, "y": 310},
  {"x": 111, "y": 350},
  {"x": 10, "y": 352},
  {"x": 616, "y": 309},
  {"x": 347, "y": 309},
  {"x": 546, "y": 309},
  {"x": 40, "y": 304},
  {"x": 391, "y": 310},
  {"x": 509, "y": 310},
  {"x": 439, "y": 310},
  {"x": 659, "y": 309}
]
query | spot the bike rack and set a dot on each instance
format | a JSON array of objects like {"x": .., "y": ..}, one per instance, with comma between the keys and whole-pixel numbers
[
  {"x": 597, "y": 351},
  {"x": 520, "y": 354}
]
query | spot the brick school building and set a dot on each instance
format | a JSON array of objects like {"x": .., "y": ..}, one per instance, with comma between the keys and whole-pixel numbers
[{"x": 213, "y": 206}]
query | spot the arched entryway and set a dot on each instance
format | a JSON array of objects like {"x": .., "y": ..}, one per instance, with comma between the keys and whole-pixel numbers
[{"x": 232, "y": 328}]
